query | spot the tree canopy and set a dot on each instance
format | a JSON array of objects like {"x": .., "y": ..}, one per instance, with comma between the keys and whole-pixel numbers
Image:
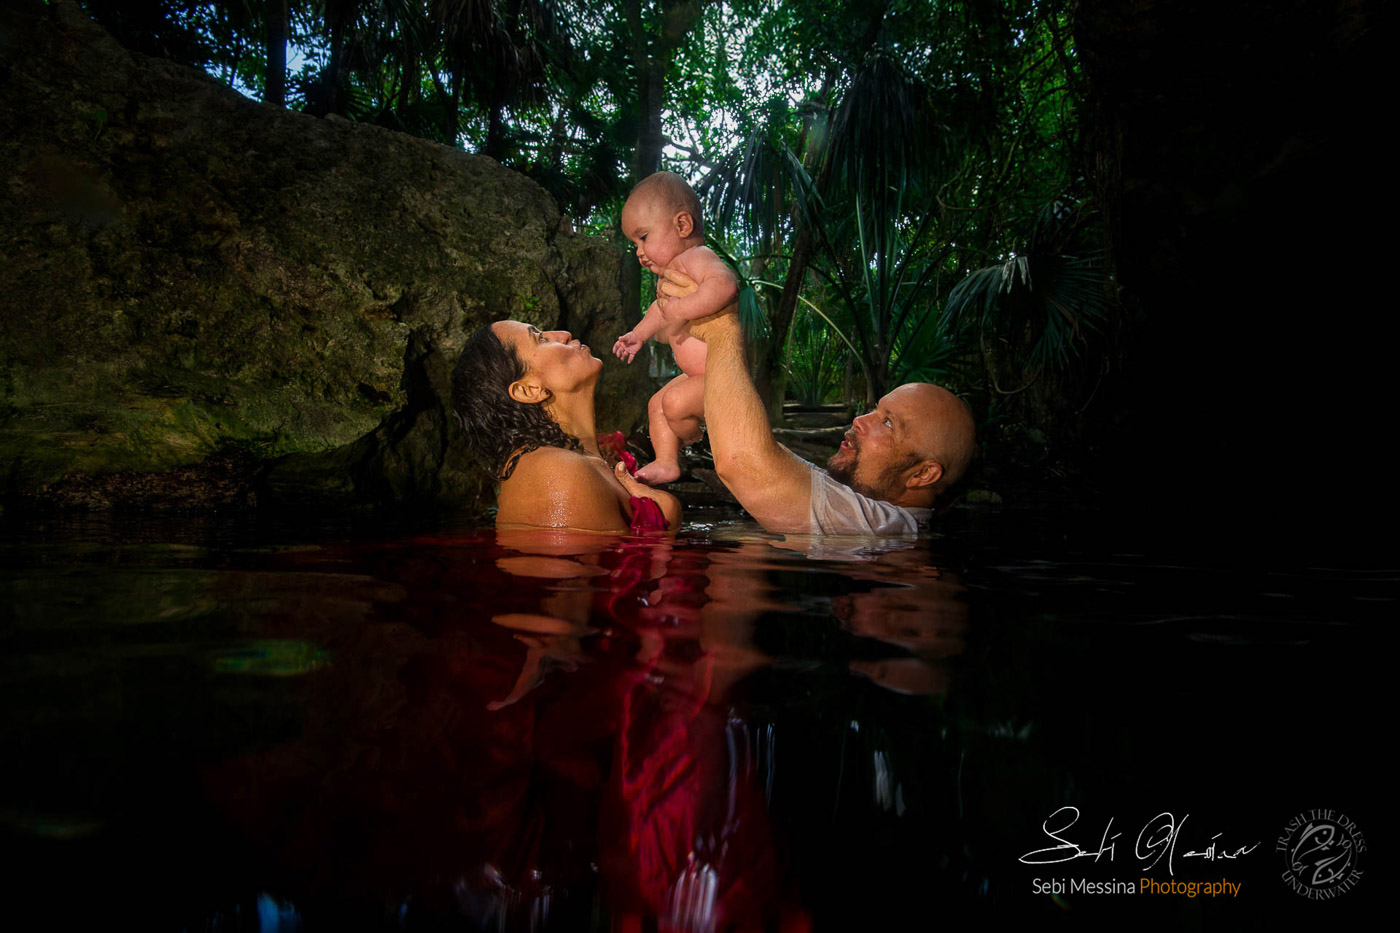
[{"x": 901, "y": 184}]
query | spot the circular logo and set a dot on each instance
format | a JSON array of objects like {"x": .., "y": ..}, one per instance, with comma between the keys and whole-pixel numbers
[{"x": 1322, "y": 851}]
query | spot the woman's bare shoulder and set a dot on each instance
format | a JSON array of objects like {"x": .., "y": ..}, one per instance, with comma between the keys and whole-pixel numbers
[
  {"x": 555, "y": 466},
  {"x": 560, "y": 488},
  {"x": 552, "y": 458}
]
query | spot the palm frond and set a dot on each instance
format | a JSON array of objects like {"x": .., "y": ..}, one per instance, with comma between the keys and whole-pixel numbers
[
  {"x": 750, "y": 191},
  {"x": 880, "y": 135},
  {"x": 1043, "y": 304}
]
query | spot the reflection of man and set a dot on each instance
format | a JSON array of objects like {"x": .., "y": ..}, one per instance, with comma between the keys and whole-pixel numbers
[{"x": 893, "y": 465}]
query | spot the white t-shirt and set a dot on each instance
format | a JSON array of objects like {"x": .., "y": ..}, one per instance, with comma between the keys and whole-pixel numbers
[{"x": 837, "y": 509}]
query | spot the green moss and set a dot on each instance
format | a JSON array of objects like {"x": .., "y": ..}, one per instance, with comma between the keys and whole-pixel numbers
[{"x": 198, "y": 274}]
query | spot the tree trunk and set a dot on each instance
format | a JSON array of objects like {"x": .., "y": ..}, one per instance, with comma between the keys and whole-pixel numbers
[
  {"x": 651, "y": 57},
  {"x": 455, "y": 107},
  {"x": 277, "y": 28},
  {"x": 496, "y": 128},
  {"x": 651, "y": 97},
  {"x": 651, "y": 77},
  {"x": 558, "y": 134},
  {"x": 333, "y": 69},
  {"x": 771, "y": 369},
  {"x": 408, "y": 79},
  {"x": 878, "y": 383}
]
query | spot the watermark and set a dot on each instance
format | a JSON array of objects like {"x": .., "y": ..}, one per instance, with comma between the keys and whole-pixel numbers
[
  {"x": 1145, "y": 885},
  {"x": 1322, "y": 852},
  {"x": 1156, "y": 843}
]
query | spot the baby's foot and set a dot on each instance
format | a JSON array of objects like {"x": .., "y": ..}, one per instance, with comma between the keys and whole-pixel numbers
[{"x": 659, "y": 473}]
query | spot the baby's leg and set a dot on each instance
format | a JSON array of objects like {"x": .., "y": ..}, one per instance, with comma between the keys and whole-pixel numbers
[
  {"x": 666, "y": 467},
  {"x": 684, "y": 406},
  {"x": 674, "y": 414}
]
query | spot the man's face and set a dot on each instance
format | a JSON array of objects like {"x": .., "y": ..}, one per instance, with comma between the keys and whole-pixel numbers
[{"x": 875, "y": 453}]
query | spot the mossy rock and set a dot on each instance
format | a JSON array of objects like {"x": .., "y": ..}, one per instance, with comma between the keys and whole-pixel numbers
[{"x": 188, "y": 272}]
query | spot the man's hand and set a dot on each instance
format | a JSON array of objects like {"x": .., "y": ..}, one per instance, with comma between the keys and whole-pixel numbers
[
  {"x": 627, "y": 346},
  {"x": 673, "y": 284},
  {"x": 678, "y": 285}
]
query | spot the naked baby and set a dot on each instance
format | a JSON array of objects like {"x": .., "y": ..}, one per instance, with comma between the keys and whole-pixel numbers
[{"x": 662, "y": 218}]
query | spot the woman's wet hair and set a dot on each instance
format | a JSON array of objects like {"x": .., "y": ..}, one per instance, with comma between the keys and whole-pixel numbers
[{"x": 499, "y": 430}]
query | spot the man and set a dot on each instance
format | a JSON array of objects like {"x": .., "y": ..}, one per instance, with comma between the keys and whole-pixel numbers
[{"x": 892, "y": 466}]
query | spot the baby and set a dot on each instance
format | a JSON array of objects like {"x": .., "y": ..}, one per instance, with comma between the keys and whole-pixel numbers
[{"x": 662, "y": 217}]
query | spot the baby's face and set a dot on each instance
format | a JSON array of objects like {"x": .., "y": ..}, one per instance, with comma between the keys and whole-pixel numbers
[{"x": 653, "y": 229}]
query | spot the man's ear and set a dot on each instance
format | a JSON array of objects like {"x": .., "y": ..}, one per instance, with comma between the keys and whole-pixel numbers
[
  {"x": 685, "y": 224},
  {"x": 527, "y": 393},
  {"x": 925, "y": 475}
]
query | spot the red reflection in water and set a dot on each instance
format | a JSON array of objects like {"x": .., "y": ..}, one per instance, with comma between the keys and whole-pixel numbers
[{"x": 504, "y": 758}]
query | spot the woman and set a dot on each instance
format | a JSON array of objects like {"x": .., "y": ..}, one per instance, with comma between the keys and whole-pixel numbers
[{"x": 525, "y": 399}]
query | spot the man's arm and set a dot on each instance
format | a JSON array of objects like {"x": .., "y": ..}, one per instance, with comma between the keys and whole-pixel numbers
[
  {"x": 716, "y": 286},
  {"x": 768, "y": 479}
]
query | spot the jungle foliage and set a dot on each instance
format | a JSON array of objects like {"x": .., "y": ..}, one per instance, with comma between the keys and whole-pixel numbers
[{"x": 901, "y": 184}]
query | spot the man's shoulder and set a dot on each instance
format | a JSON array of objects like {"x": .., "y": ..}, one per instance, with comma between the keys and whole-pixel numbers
[{"x": 837, "y": 509}]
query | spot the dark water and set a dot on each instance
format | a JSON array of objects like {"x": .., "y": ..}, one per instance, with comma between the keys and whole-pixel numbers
[{"x": 235, "y": 726}]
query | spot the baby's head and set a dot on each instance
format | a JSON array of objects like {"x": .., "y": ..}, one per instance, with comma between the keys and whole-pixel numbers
[{"x": 662, "y": 218}]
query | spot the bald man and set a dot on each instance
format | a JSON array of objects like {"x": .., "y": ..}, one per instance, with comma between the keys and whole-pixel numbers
[{"x": 892, "y": 467}]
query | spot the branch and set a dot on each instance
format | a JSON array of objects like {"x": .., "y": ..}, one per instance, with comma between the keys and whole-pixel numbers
[
  {"x": 986, "y": 361},
  {"x": 695, "y": 154}
]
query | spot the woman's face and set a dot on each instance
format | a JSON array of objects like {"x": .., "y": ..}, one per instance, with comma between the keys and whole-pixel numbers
[{"x": 553, "y": 359}]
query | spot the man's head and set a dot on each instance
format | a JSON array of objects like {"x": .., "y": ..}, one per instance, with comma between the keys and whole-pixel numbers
[
  {"x": 662, "y": 219},
  {"x": 914, "y": 446}
]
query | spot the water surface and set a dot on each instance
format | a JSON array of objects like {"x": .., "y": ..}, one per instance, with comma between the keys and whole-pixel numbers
[{"x": 230, "y": 724}]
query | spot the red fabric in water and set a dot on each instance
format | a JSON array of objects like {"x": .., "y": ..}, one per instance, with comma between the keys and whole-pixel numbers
[
  {"x": 399, "y": 780},
  {"x": 679, "y": 800},
  {"x": 646, "y": 516}
]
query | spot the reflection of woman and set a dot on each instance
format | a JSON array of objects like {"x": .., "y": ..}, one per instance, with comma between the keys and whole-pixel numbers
[{"x": 525, "y": 399}]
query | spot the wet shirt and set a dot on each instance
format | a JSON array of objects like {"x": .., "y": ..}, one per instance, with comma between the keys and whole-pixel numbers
[{"x": 837, "y": 509}]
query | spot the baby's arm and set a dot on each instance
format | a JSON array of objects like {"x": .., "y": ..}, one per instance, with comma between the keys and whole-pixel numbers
[
  {"x": 629, "y": 343},
  {"x": 718, "y": 287}
]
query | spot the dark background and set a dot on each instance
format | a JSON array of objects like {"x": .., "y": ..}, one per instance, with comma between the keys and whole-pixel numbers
[{"x": 1248, "y": 232}]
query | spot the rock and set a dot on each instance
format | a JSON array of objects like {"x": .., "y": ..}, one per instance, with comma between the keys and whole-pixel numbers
[{"x": 188, "y": 273}]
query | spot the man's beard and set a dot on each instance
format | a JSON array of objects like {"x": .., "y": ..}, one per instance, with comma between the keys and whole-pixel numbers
[{"x": 843, "y": 469}]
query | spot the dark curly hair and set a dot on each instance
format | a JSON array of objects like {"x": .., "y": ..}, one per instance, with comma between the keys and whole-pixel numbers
[{"x": 499, "y": 429}]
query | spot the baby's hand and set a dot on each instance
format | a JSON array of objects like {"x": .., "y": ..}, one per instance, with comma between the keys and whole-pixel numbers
[{"x": 627, "y": 346}]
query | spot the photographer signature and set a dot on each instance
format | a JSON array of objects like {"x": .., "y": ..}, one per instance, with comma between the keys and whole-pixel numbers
[{"x": 1157, "y": 839}]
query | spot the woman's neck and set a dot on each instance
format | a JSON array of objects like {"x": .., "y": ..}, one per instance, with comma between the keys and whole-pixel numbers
[{"x": 574, "y": 415}]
